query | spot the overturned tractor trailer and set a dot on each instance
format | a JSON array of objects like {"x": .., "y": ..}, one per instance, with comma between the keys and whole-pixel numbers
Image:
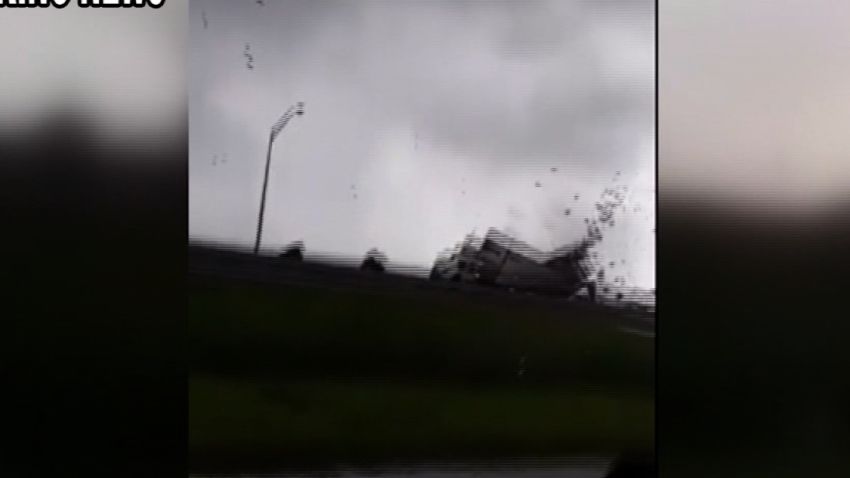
[{"x": 502, "y": 261}]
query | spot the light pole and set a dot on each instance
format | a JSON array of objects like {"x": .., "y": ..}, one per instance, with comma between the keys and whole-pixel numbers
[{"x": 298, "y": 109}]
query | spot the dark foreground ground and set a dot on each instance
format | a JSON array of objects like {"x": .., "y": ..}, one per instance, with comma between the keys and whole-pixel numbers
[{"x": 316, "y": 366}]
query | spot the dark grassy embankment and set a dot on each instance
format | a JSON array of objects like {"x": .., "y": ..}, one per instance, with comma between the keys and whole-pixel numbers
[{"x": 290, "y": 374}]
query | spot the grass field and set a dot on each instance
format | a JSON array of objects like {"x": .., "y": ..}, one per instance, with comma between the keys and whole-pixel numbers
[
  {"x": 301, "y": 420},
  {"x": 287, "y": 374}
]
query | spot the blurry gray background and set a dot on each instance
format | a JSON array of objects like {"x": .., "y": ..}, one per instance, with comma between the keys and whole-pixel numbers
[
  {"x": 754, "y": 103},
  {"x": 425, "y": 121},
  {"x": 123, "y": 69}
]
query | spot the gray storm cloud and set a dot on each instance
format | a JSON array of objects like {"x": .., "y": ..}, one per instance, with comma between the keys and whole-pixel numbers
[{"x": 424, "y": 121}]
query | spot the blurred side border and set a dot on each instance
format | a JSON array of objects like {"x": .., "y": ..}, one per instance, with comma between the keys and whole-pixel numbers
[{"x": 95, "y": 257}]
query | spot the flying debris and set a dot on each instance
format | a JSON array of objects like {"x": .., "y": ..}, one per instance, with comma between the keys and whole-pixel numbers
[
  {"x": 472, "y": 265},
  {"x": 261, "y": 3},
  {"x": 554, "y": 170},
  {"x": 247, "y": 54},
  {"x": 593, "y": 232}
]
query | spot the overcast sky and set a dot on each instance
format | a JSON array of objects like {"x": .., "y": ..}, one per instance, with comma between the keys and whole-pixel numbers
[{"x": 424, "y": 121}]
